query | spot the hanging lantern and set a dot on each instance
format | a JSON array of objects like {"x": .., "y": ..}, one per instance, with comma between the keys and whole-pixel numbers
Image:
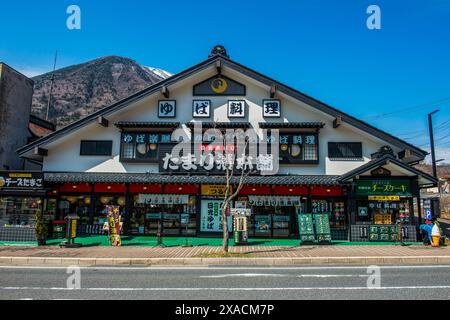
[
  {"x": 142, "y": 148},
  {"x": 295, "y": 150},
  {"x": 87, "y": 200},
  {"x": 192, "y": 201},
  {"x": 121, "y": 201},
  {"x": 105, "y": 200}
]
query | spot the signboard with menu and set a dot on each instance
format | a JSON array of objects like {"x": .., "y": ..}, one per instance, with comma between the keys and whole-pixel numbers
[
  {"x": 306, "y": 227},
  {"x": 323, "y": 227}
]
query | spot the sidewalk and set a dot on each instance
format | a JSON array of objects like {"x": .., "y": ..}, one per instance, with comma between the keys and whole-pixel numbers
[{"x": 207, "y": 255}]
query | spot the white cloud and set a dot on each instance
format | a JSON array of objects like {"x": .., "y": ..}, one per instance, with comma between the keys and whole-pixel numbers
[{"x": 31, "y": 72}]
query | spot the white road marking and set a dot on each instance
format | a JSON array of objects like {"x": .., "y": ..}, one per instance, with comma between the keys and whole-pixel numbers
[
  {"x": 228, "y": 289},
  {"x": 246, "y": 275},
  {"x": 249, "y": 275},
  {"x": 147, "y": 268}
]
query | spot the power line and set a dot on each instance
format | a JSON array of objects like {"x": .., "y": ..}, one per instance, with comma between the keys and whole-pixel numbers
[
  {"x": 418, "y": 133},
  {"x": 418, "y": 107}
]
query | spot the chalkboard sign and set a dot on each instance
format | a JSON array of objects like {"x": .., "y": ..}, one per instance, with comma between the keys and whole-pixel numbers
[
  {"x": 306, "y": 227},
  {"x": 323, "y": 227}
]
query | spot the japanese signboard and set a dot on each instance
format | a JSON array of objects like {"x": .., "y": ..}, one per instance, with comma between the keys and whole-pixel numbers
[
  {"x": 236, "y": 108},
  {"x": 211, "y": 216},
  {"x": 271, "y": 108},
  {"x": 21, "y": 180},
  {"x": 384, "y": 198},
  {"x": 240, "y": 212},
  {"x": 383, "y": 187},
  {"x": 306, "y": 227},
  {"x": 167, "y": 109},
  {"x": 201, "y": 108},
  {"x": 280, "y": 201},
  {"x": 215, "y": 162},
  {"x": 114, "y": 225},
  {"x": 213, "y": 190},
  {"x": 162, "y": 199}
]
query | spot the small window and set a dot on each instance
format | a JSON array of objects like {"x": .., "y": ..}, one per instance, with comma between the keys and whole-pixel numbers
[
  {"x": 96, "y": 148},
  {"x": 299, "y": 148},
  {"x": 142, "y": 147},
  {"x": 345, "y": 150}
]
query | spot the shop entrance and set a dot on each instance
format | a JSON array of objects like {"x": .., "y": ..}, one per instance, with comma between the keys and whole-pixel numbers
[{"x": 274, "y": 216}]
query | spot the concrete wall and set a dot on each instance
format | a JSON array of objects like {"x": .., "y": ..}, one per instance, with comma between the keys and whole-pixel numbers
[
  {"x": 64, "y": 154},
  {"x": 16, "y": 91}
]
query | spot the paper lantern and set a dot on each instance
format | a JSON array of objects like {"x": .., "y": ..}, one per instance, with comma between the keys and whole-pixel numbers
[
  {"x": 105, "y": 200},
  {"x": 121, "y": 201},
  {"x": 142, "y": 148},
  {"x": 295, "y": 150}
]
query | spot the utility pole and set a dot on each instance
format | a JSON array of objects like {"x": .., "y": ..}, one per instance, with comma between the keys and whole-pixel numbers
[
  {"x": 52, "y": 79},
  {"x": 433, "y": 155}
]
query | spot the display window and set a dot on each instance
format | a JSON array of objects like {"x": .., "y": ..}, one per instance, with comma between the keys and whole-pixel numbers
[
  {"x": 100, "y": 210},
  {"x": 75, "y": 204},
  {"x": 175, "y": 213},
  {"x": 274, "y": 216},
  {"x": 19, "y": 211},
  {"x": 383, "y": 213},
  {"x": 336, "y": 209}
]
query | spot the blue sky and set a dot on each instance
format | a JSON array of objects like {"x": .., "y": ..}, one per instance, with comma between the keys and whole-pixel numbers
[{"x": 390, "y": 77}]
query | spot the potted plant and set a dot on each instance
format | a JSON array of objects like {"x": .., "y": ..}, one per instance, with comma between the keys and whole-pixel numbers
[{"x": 41, "y": 228}]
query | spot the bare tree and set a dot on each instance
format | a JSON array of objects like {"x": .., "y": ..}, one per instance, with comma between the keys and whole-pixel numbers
[{"x": 231, "y": 194}]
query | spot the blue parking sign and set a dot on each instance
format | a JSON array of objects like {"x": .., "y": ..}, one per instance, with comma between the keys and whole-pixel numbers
[{"x": 428, "y": 215}]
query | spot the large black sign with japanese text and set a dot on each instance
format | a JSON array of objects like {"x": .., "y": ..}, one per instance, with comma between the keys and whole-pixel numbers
[{"x": 19, "y": 180}]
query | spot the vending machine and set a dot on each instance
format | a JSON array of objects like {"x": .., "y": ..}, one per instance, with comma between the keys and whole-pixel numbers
[{"x": 240, "y": 225}]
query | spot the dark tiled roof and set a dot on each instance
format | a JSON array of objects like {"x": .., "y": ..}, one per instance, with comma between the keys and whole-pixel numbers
[
  {"x": 137, "y": 124},
  {"x": 380, "y": 162},
  {"x": 42, "y": 123},
  {"x": 221, "y": 125},
  {"x": 292, "y": 125},
  {"x": 91, "y": 177}
]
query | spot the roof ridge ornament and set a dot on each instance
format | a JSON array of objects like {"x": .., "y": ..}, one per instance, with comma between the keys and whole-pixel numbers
[{"x": 219, "y": 50}]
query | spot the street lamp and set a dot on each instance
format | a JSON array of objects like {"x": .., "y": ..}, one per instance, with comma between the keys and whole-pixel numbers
[{"x": 433, "y": 155}]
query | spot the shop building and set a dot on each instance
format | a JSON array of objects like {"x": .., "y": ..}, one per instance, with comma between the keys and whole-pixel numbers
[{"x": 330, "y": 162}]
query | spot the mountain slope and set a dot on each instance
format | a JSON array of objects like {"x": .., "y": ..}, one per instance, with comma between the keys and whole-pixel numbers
[{"x": 82, "y": 89}]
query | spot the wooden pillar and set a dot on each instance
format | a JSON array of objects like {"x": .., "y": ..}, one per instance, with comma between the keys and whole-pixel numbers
[
  {"x": 127, "y": 211},
  {"x": 92, "y": 205}
]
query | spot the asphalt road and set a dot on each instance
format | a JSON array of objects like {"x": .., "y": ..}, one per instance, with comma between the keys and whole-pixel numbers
[{"x": 403, "y": 282}]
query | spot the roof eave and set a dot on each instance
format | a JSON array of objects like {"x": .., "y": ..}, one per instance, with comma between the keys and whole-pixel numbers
[{"x": 248, "y": 72}]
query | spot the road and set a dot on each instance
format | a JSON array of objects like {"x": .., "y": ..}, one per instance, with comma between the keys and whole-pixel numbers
[{"x": 397, "y": 282}]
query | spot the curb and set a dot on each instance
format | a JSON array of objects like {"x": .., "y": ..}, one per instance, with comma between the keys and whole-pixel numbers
[{"x": 296, "y": 261}]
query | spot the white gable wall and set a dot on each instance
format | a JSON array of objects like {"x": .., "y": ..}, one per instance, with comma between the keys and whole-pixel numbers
[{"x": 64, "y": 154}]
